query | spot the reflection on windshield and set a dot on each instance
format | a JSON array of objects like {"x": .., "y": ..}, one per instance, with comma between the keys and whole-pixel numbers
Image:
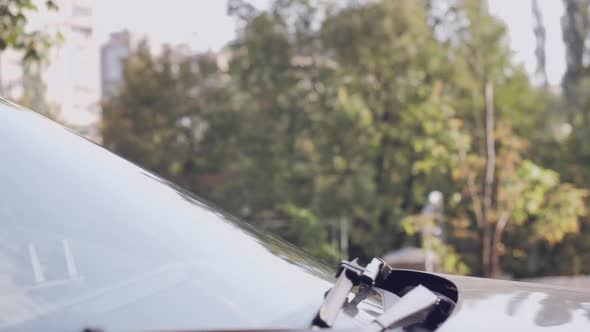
[
  {"x": 15, "y": 305},
  {"x": 91, "y": 240}
]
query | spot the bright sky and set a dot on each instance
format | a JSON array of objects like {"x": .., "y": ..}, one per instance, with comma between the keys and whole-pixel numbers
[
  {"x": 204, "y": 25},
  {"x": 518, "y": 16}
]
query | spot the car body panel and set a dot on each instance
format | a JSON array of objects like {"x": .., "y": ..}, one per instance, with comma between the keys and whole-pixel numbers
[{"x": 496, "y": 305}]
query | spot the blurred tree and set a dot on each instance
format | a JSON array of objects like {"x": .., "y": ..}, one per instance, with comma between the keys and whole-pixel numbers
[
  {"x": 401, "y": 102},
  {"x": 540, "y": 36},
  {"x": 352, "y": 111},
  {"x": 304, "y": 228},
  {"x": 493, "y": 158},
  {"x": 167, "y": 106},
  {"x": 34, "y": 45},
  {"x": 34, "y": 91},
  {"x": 13, "y": 28},
  {"x": 482, "y": 60},
  {"x": 277, "y": 72},
  {"x": 575, "y": 25},
  {"x": 391, "y": 139},
  {"x": 576, "y": 81}
]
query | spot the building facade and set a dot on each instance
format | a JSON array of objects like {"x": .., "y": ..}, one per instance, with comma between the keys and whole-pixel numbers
[{"x": 112, "y": 54}]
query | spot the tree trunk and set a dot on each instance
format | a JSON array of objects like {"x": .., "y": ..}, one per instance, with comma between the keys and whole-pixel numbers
[
  {"x": 485, "y": 233},
  {"x": 500, "y": 226}
]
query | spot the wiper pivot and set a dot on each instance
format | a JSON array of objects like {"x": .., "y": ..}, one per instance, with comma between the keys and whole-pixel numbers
[{"x": 349, "y": 274}]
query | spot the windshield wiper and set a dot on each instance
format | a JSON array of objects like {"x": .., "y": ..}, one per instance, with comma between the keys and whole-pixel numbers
[
  {"x": 412, "y": 308},
  {"x": 349, "y": 274}
]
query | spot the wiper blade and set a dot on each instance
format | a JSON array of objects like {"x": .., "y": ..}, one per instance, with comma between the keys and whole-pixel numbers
[
  {"x": 349, "y": 274},
  {"x": 411, "y": 308},
  {"x": 334, "y": 301},
  {"x": 93, "y": 329}
]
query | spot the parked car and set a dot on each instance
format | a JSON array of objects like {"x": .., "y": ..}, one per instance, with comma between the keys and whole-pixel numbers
[{"x": 89, "y": 241}]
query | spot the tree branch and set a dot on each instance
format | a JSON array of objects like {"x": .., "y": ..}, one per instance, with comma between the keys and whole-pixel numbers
[
  {"x": 489, "y": 176},
  {"x": 499, "y": 231}
]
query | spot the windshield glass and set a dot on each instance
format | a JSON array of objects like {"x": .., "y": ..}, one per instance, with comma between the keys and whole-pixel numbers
[{"x": 90, "y": 240}]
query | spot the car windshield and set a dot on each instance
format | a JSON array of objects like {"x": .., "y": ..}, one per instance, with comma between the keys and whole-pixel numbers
[{"x": 90, "y": 240}]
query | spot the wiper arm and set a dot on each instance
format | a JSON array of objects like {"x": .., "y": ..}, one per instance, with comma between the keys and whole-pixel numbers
[
  {"x": 412, "y": 308},
  {"x": 349, "y": 274}
]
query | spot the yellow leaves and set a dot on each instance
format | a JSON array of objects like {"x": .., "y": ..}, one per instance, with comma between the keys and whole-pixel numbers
[
  {"x": 472, "y": 166},
  {"x": 343, "y": 96},
  {"x": 447, "y": 258},
  {"x": 412, "y": 224},
  {"x": 306, "y": 145},
  {"x": 461, "y": 225},
  {"x": 523, "y": 191},
  {"x": 465, "y": 234},
  {"x": 424, "y": 166},
  {"x": 534, "y": 194},
  {"x": 518, "y": 253},
  {"x": 561, "y": 213},
  {"x": 456, "y": 198},
  {"x": 355, "y": 108},
  {"x": 437, "y": 89},
  {"x": 157, "y": 137},
  {"x": 420, "y": 145},
  {"x": 340, "y": 163},
  {"x": 461, "y": 222},
  {"x": 175, "y": 168},
  {"x": 451, "y": 261}
]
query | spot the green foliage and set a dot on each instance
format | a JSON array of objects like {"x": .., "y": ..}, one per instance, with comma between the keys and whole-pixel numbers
[
  {"x": 537, "y": 199},
  {"x": 34, "y": 45},
  {"x": 305, "y": 229},
  {"x": 447, "y": 258},
  {"x": 165, "y": 113},
  {"x": 14, "y": 33},
  {"x": 338, "y": 110},
  {"x": 560, "y": 213},
  {"x": 34, "y": 90}
]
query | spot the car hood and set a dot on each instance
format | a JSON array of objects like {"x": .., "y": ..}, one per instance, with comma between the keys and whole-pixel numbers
[{"x": 496, "y": 305}]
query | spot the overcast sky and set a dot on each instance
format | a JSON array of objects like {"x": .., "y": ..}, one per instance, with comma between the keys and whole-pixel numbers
[
  {"x": 518, "y": 16},
  {"x": 204, "y": 25}
]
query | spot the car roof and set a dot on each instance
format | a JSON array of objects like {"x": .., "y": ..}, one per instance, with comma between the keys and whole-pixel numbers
[{"x": 496, "y": 305}]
